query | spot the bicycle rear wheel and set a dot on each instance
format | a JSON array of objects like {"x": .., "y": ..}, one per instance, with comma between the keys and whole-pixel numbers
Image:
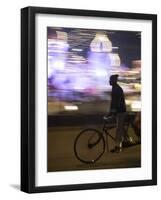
[{"x": 89, "y": 145}]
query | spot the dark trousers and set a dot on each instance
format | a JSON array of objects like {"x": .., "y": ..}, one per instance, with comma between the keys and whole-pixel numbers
[{"x": 120, "y": 128}]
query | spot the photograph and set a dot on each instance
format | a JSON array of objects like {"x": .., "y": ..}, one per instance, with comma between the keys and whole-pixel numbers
[
  {"x": 94, "y": 99},
  {"x": 88, "y": 99}
]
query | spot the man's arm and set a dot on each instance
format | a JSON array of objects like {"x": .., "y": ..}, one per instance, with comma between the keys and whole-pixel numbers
[{"x": 114, "y": 102}]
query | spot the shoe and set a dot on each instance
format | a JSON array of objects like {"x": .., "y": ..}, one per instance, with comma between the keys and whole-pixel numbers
[
  {"x": 128, "y": 143},
  {"x": 116, "y": 150}
]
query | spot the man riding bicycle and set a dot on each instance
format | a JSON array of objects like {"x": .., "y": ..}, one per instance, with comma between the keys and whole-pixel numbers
[{"x": 118, "y": 108}]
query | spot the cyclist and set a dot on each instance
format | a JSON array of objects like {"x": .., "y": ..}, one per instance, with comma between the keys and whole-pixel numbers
[{"x": 118, "y": 108}]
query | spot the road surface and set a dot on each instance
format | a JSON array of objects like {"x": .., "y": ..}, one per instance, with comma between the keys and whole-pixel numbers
[{"x": 61, "y": 154}]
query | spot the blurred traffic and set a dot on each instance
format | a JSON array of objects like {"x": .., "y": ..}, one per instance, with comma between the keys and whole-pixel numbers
[{"x": 80, "y": 62}]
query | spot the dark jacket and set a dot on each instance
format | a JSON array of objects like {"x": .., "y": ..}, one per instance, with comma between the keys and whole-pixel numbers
[{"x": 118, "y": 101}]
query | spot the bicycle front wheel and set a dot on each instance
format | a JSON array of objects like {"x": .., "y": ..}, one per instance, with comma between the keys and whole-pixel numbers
[{"x": 89, "y": 146}]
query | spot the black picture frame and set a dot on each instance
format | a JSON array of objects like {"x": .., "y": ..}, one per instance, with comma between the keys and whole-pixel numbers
[{"x": 28, "y": 98}]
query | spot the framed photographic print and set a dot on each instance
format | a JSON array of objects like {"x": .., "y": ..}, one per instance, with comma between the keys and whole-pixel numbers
[{"x": 88, "y": 99}]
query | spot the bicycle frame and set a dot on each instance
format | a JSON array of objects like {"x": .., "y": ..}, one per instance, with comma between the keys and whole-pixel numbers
[
  {"x": 108, "y": 126},
  {"x": 105, "y": 130}
]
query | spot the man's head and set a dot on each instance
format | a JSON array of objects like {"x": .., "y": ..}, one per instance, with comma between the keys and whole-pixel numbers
[{"x": 113, "y": 79}]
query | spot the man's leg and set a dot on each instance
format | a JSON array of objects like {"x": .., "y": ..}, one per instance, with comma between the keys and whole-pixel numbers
[{"x": 120, "y": 131}]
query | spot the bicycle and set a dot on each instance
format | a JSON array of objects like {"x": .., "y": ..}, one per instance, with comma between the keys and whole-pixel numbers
[{"x": 90, "y": 144}]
